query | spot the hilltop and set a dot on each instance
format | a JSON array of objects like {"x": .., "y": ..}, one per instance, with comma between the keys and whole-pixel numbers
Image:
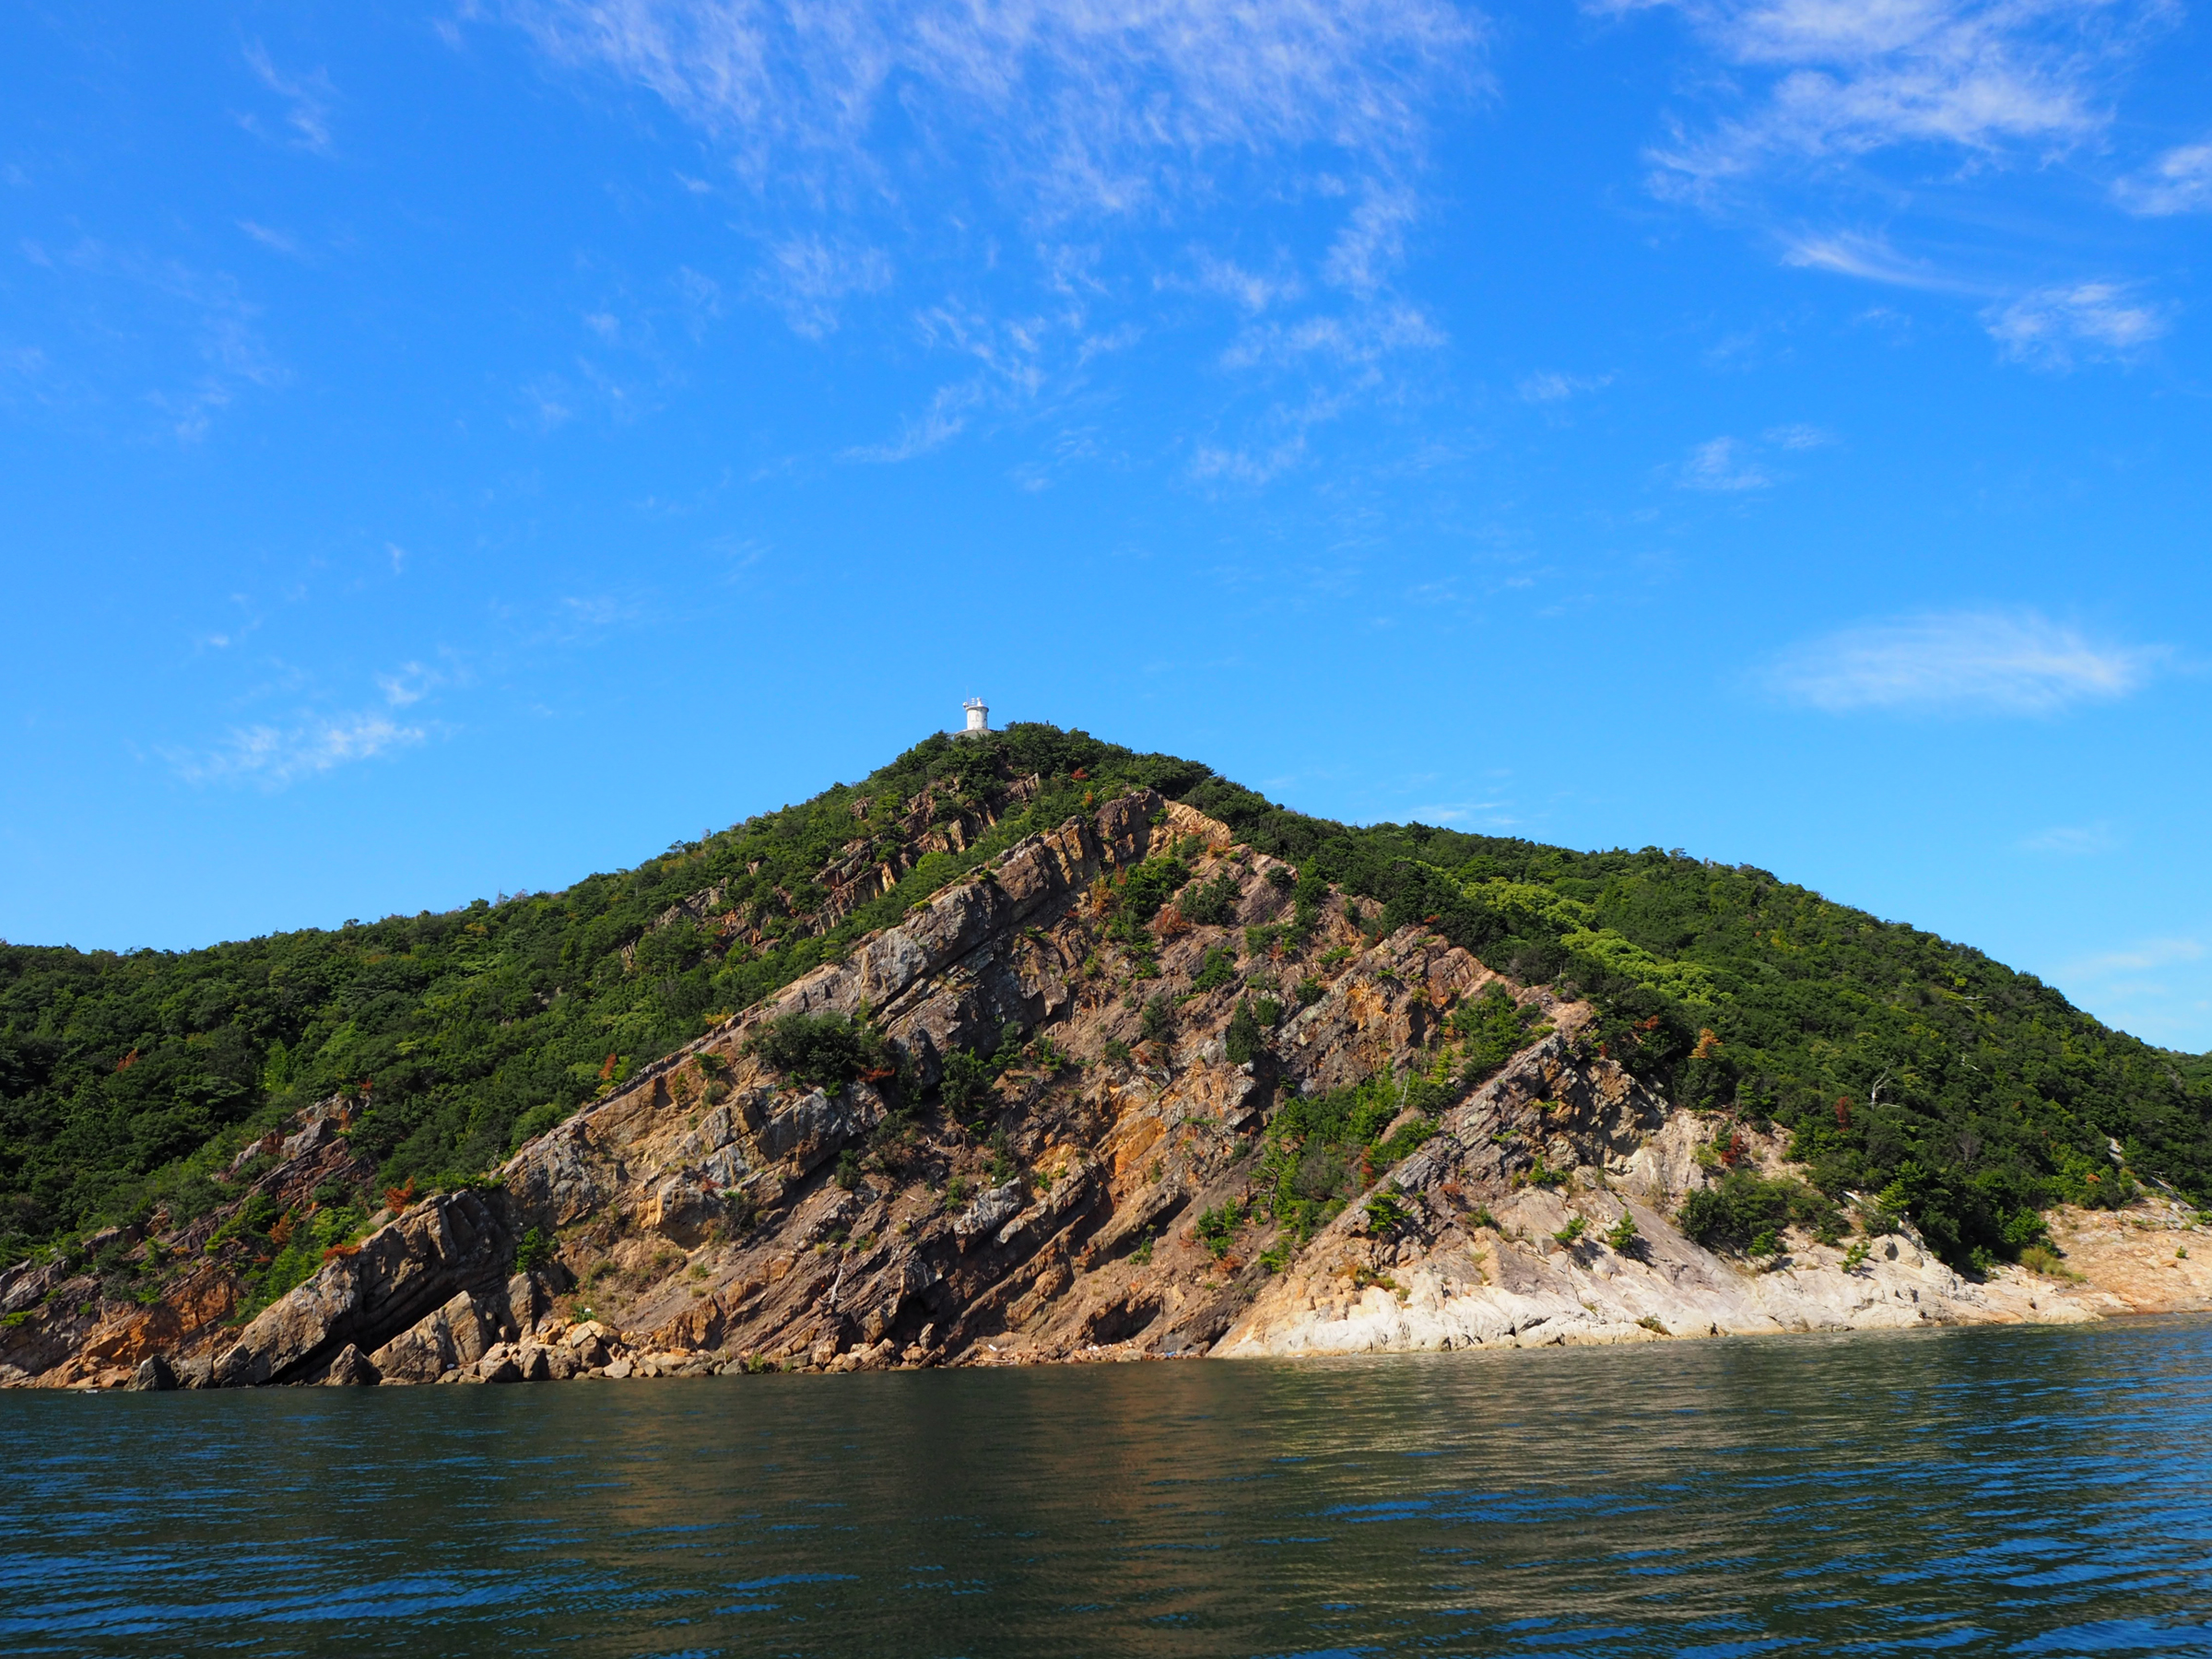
[{"x": 1050, "y": 1005}]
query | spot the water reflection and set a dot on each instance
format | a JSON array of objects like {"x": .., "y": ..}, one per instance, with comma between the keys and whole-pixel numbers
[{"x": 2029, "y": 1491}]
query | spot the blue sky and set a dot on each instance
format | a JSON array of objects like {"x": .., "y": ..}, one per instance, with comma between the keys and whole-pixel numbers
[{"x": 447, "y": 449}]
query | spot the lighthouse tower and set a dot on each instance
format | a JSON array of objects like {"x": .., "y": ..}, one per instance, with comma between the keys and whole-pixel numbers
[{"x": 979, "y": 715}]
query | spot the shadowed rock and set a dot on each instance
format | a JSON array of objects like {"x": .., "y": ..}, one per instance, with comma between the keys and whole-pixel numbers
[{"x": 453, "y": 1242}]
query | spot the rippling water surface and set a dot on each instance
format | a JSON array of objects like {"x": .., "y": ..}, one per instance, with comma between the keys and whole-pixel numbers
[{"x": 2019, "y": 1492}]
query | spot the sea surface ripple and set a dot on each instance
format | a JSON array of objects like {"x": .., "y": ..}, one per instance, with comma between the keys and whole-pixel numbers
[{"x": 1981, "y": 1491}]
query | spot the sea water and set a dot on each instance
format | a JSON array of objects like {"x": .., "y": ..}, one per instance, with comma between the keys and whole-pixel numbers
[{"x": 1981, "y": 1491}]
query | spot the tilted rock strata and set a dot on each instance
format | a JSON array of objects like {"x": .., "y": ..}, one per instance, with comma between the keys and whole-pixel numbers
[
  {"x": 59, "y": 1327},
  {"x": 1482, "y": 1260},
  {"x": 712, "y": 1215}
]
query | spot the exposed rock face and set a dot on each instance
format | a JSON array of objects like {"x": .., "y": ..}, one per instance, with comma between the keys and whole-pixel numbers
[
  {"x": 459, "y": 1333},
  {"x": 155, "y": 1375},
  {"x": 713, "y": 1214},
  {"x": 455, "y": 1241},
  {"x": 59, "y": 1327},
  {"x": 349, "y": 1370},
  {"x": 1480, "y": 1259}
]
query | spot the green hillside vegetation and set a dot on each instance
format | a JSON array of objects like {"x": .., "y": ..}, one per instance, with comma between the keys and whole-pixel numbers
[
  {"x": 128, "y": 1080},
  {"x": 1921, "y": 1072},
  {"x": 1905, "y": 1067}
]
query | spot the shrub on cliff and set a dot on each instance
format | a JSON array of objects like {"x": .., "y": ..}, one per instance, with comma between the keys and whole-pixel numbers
[
  {"x": 1210, "y": 903},
  {"x": 1322, "y": 1149},
  {"x": 1244, "y": 1041},
  {"x": 1493, "y": 1027},
  {"x": 1218, "y": 968},
  {"x": 1217, "y": 1228},
  {"x": 1743, "y": 1205},
  {"x": 535, "y": 1251},
  {"x": 966, "y": 1087},
  {"x": 825, "y": 1050},
  {"x": 1136, "y": 899}
]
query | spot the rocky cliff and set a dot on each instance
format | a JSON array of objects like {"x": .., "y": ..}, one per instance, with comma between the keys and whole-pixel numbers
[{"x": 1042, "y": 1119}]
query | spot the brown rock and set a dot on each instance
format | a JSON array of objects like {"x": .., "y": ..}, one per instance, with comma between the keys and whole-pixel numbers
[
  {"x": 400, "y": 1273},
  {"x": 422, "y": 1355},
  {"x": 351, "y": 1370}
]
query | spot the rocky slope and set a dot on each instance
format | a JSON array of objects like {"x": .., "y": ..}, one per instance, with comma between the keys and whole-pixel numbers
[{"x": 1037, "y": 1146}]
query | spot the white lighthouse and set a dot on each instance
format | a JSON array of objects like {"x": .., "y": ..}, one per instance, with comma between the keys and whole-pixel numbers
[{"x": 979, "y": 715}]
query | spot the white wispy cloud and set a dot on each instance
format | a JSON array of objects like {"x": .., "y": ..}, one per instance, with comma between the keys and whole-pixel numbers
[
  {"x": 207, "y": 306},
  {"x": 2154, "y": 988},
  {"x": 1720, "y": 464},
  {"x": 1248, "y": 464},
  {"x": 2073, "y": 840},
  {"x": 2050, "y": 327},
  {"x": 939, "y": 424},
  {"x": 2141, "y": 958},
  {"x": 1363, "y": 338},
  {"x": 1096, "y": 105},
  {"x": 1317, "y": 370},
  {"x": 273, "y": 756},
  {"x": 1549, "y": 386},
  {"x": 1493, "y": 815},
  {"x": 1798, "y": 436},
  {"x": 1372, "y": 242},
  {"x": 1870, "y": 258},
  {"x": 698, "y": 299},
  {"x": 1087, "y": 140},
  {"x": 2178, "y": 181},
  {"x": 275, "y": 241},
  {"x": 1871, "y": 101},
  {"x": 1981, "y": 662},
  {"x": 410, "y": 682},
  {"x": 1107, "y": 170},
  {"x": 1823, "y": 83},
  {"x": 308, "y": 99},
  {"x": 548, "y": 401},
  {"x": 808, "y": 278},
  {"x": 1252, "y": 291}
]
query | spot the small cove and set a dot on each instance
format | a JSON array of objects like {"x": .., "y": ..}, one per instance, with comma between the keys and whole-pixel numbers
[{"x": 2018, "y": 1490}]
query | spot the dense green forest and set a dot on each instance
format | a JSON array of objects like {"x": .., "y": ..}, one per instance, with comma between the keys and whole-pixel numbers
[{"x": 1898, "y": 1062}]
